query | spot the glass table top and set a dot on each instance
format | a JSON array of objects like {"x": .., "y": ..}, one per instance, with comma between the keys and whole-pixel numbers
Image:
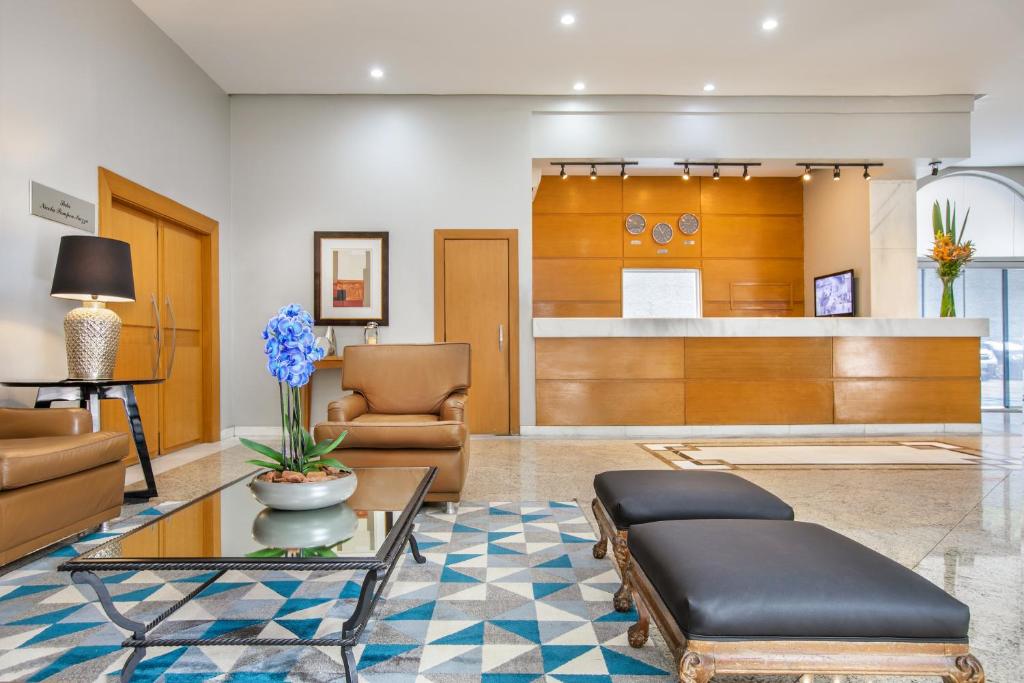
[{"x": 229, "y": 526}]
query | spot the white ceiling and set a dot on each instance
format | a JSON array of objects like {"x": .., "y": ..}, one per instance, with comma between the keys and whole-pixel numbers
[{"x": 669, "y": 47}]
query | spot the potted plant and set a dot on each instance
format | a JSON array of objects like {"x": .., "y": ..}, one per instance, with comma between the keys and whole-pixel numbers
[
  {"x": 299, "y": 476},
  {"x": 950, "y": 252}
]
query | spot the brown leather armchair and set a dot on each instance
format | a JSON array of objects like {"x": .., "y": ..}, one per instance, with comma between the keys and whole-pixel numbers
[
  {"x": 57, "y": 477},
  {"x": 407, "y": 410}
]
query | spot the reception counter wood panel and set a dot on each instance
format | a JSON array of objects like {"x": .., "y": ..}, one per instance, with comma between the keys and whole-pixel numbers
[{"x": 791, "y": 376}]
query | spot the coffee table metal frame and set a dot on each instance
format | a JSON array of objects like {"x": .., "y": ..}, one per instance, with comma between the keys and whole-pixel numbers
[{"x": 378, "y": 571}]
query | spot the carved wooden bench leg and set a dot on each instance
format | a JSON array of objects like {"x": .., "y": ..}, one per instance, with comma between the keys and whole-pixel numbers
[
  {"x": 601, "y": 547},
  {"x": 695, "y": 667},
  {"x": 965, "y": 669},
  {"x": 623, "y": 600},
  {"x": 639, "y": 631}
]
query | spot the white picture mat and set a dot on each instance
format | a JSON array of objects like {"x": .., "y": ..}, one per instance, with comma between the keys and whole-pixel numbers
[
  {"x": 327, "y": 308},
  {"x": 661, "y": 293}
]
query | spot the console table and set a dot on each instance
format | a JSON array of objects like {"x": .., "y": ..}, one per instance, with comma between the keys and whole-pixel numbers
[
  {"x": 306, "y": 392},
  {"x": 88, "y": 393}
]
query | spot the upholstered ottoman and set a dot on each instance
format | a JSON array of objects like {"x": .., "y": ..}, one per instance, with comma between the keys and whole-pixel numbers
[
  {"x": 776, "y": 597},
  {"x": 629, "y": 497}
]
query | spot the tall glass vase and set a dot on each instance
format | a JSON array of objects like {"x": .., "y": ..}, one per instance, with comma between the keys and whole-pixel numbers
[{"x": 947, "y": 307}]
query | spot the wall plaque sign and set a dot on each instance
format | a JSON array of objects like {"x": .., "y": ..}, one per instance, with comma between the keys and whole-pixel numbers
[{"x": 57, "y": 206}]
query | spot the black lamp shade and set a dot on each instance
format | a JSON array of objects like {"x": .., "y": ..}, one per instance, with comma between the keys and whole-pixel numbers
[{"x": 93, "y": 269}]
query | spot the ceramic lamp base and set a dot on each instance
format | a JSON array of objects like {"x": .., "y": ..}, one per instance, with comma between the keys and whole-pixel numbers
[{"x": 92, "y": 334}]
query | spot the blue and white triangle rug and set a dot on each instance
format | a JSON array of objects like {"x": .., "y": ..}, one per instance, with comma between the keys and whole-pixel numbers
[{"x": 510, "y": 594}]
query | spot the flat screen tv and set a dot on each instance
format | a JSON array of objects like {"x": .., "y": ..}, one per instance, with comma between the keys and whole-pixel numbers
[{"x": 834, "y": 294}]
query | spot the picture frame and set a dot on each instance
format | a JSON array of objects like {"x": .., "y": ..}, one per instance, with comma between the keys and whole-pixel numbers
[{"x": 350, "y": 278}]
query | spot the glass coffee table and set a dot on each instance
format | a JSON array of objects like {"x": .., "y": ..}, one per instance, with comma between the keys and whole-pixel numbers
[{"x": 228, "y": 529}]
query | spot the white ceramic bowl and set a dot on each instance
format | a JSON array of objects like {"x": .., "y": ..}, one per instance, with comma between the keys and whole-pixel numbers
[
  {"x": 311, "y": 495},
  {"x": 305, "y": 528}
]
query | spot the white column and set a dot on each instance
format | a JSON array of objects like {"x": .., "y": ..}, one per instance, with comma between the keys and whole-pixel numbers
[{"x": 893, "y": 243}]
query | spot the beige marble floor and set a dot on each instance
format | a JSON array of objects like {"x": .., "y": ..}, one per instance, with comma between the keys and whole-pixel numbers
[{"x": 959, "y": 526}]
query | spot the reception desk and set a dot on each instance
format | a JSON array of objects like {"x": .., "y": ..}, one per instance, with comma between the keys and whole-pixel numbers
[{"x": 850, "y": 373}]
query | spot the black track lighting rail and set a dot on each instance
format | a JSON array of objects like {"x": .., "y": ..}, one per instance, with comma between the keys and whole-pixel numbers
[
  {"x": 594, "y": 163},
  {"x": 720, "y": 164},
  {"x": 822, "y": 164}
]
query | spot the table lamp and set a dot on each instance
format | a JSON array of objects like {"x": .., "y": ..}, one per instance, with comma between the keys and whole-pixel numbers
[{"x": 95, "y": 271}]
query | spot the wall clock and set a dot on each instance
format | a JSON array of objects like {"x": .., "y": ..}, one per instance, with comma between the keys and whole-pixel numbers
[
  {"x": 689, "y": 224},
  {"x": 635, "y": 224},
  {"x": 662, "y": 233}
]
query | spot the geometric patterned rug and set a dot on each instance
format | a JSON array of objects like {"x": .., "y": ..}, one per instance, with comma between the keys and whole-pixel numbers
[{"x": 510, "y": 593}]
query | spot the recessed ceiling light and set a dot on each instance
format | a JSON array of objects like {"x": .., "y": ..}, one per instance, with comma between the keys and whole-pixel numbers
[
  {"x": 579, "y": 85},
  {"x": 568, "y": 19},
  {"x": 709, "y": 87},
  {"x": 377, "y": 72},
  {"x": 770, "y": 24}
]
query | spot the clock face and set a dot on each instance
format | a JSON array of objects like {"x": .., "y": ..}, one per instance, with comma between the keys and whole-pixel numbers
[
  {"x": 662, "y": 233},
  {"x": 689, "y": 224},
  {"x": 635, "y": 224}
]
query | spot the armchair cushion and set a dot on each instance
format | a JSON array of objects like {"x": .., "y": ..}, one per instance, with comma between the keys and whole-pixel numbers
[
  {"x": 454, "y": 407},
  {"x": 25, "y": 423},
  {"x": 373, "y": 430},
  {"x": 346, "y": 408},
  {"x": 29, "y": 461}
]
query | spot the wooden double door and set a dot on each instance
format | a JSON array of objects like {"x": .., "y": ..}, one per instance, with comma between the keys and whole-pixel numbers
[
  {"x": 476, "y": 301},
  {"x": 166, "y": 330}
]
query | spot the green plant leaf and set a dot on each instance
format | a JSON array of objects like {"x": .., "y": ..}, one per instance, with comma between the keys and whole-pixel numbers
[
  {"x": 949, "y": 213},
  {"x": 936, "y": 219},
  {"x": 331, "y": 462},
  {"x": 275, "y": 466},
  {"x": 307, "y": 440},
  {"x": 326, "y": 446},
  {"x": 267, "y": 552},
  {"x": 963, "y": 228},
  {"x": 262, "y": 450},
  {"x": 319, "y": 551}
]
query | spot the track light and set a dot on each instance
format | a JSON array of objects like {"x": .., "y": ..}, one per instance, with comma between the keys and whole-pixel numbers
[
  {"x": 593, "y": 172},
  {"x": 935, "y": 167},
  {"x": 835, "y": 172},
  {"x": 686, "y": 172},
  {"x": 746, "y": 173},
  {"x": 867, "y": 173},
  {"x": 623, "y": 172},
  {"x": 716, "y": 175},
  {"x": 807, "y": 173},
  {"x": 562, "y": 174}
]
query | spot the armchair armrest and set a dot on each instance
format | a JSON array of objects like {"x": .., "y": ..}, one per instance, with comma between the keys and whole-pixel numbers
[
  {"x": 453, "y": 409},
  {"x": 347, "y": 408},
  {"x": 26, "y": 423}
]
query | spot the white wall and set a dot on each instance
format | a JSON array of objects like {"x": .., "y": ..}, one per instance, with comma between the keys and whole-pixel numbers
[
  {"x": 894, "y": 281},
  {"x": 996, "y": 223},
  {"x": 82, "y": 85},
  {"x": 406, "y": 165},
  {"x": 836, "y": 234}
]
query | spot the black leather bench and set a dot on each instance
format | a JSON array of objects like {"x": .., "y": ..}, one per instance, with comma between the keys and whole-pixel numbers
[
  {"x": 629, "y": 497},
  {"x": 779, "y": 597}
]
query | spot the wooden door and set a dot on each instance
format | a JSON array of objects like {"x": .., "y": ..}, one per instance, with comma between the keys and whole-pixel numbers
[
  {"x": 136, "y": 356},
  {"x": 476, "y": 310},
  {"x": 181, "y": 405}
]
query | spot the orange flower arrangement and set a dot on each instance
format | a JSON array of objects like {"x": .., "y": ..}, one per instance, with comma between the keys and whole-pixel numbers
[{"x": 950, "y": 251}]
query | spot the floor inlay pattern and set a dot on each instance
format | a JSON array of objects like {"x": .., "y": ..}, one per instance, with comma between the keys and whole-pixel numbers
[
  {"x": 852, "y": 454},
  {"x": 510, "y": 593}
]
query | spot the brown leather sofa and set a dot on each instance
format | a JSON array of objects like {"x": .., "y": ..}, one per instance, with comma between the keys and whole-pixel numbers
[
  {"x": 407, "y": 409},
  {"x": 57, "y": 477}
]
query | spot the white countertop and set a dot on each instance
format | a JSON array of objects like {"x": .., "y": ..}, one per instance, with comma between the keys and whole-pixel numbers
[{"x": 760, "y": 327}]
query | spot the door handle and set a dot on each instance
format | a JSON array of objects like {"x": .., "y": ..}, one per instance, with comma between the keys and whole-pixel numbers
[
  {"x": 174, "y": 336},
  {"x": 501, "y": 337},
  {"x": 158, "y": 337}
]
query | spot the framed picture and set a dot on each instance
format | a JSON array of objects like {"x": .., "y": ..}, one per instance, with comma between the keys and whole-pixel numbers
[{"x": 350, "y": 278}]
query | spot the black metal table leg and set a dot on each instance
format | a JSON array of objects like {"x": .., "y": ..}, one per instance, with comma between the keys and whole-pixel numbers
[
  {"x": 138, "y": 629},
  {"x": 414, "y": 547},
  {"x": 351, "y": 676},
  {"x": 126, "y": 394}
]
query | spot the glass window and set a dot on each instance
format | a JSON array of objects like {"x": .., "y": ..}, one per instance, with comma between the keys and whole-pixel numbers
[
  {"x": 983, "y": 298},
  {"x": 1015, "y": 336}
]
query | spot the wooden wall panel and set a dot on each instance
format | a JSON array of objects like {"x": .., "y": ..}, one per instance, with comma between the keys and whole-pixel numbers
[
  {"x": 610, "y": 402},
  {"x": 718, "y": 402},
  {"x": 618, "y": 358},
  {"x": 577, "y": 235},
  {"x": 643, "y": 245},
  {"x": 907, "y": 357},
  {"x": 720, "y": 275},
  {"x": 577, "y": 309},
  {"x": 760, "y": 357},
  {"x": 764, "y": 196},
  {"x": 752, "y": 236},
  {"x": 723, "y": 309},
  {"x": 661, "y": 262},
  {"x": 868, "y": 401},
  {"x": 578, "y": 194},
  {"x": 577, "y": 279},
  {"x": 660, "y": 194}
]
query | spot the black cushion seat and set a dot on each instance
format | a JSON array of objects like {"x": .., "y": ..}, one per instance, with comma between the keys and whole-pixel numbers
[
  {"x": 764, "y": 579},
  {"x": 641, "y": 496}
]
